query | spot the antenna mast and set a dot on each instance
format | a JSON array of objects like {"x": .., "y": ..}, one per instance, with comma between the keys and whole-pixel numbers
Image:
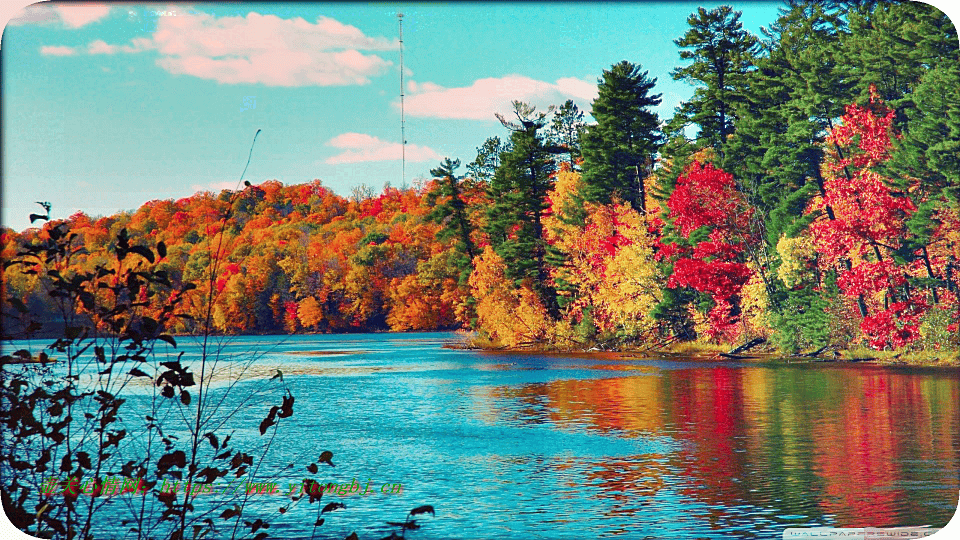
[{"x": 403, "y": 136}]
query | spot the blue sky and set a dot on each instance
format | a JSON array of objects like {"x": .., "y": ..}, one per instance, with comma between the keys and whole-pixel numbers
[{"x": 107, "y": 106}]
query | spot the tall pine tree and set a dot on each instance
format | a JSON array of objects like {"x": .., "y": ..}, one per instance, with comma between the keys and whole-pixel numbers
[
  {"x": 518, "y": 190},
  {"x": 450, "y": 211},
  {"x": 618, "y": 151},
  {"x": 722, "y": 53}
]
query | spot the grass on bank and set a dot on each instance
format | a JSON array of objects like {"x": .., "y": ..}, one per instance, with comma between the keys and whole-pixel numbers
[{"x": 924, "y": 357}]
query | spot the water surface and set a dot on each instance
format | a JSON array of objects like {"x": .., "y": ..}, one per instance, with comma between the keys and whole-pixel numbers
[{"x": 567, "y": 446}]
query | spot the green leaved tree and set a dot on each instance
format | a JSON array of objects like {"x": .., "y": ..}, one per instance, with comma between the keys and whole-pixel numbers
[
  {"x": 722, "y": 55},
  {"x": 518, "y": 191},
  {"x": 619, "y": 150}
]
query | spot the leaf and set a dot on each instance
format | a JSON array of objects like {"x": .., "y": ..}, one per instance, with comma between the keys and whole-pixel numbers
[
  {"x": 173, "y": 365},
  {"x": 330, "y": 507},
  {"x": 325, "y": 457},
  {"x": 425, "y": 509},
  {"x": 286, "y": 409},
  {"x": 137, "y": 373},
  {"x": 269, "y": 420},
  {"x": 143, "y": 251},
  {"x": 213, "y": 440},
  {"x": 231, "y": 512},
  {"x": 34, "y": 217},
  {"x": 173, "y": 459},
  {"x": 83, "y": 459},
  {"x": 313, "y": 468},
  {"x": 167, "y": 338},
  {"x": 185, "y": 397},
  {"x": 150, "y": 325},
  {"x": 162, "y": 248}
]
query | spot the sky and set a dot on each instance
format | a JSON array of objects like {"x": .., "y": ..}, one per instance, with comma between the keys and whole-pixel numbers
[{"x": 108, "y": 106}]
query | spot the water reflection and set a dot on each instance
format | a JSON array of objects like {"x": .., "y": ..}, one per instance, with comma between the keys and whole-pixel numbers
[{"x": 795, "y": 445}]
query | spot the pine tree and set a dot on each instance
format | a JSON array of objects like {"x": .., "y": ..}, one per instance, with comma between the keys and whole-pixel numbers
[
  {"x": 488, "y": 159},
  {"x": 777, "y": 151},
  {"x": 518, "y": 190},
  {"x": 565, "y": 130},
  {"x": 451, "y": 213},
  {"x": 722, "y": 53},
  {"x": 619, "y": 150}
]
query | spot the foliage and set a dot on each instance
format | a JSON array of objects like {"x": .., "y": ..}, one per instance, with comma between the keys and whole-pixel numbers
[
  {"x": 67, "y": 415},
  {"x": 712, "y": 219},
  {"x": 506, "y": 315}
]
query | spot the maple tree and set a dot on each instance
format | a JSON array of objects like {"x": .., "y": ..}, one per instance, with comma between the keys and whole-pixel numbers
[
  {"x": 868, "y": 227},
  {"x": 712, "y": 219}
]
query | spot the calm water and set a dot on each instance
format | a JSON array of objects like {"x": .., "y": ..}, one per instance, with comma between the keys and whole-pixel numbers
[{"x": 535, "y": 446}]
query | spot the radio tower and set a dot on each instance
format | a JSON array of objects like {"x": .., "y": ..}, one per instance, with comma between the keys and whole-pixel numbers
[{"x": 403, "y": 136}]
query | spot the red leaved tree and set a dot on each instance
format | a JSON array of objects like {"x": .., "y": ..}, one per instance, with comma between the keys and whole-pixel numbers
[
  {"x": 868, "y": 226},
  {"x": 708, "y": 197}
]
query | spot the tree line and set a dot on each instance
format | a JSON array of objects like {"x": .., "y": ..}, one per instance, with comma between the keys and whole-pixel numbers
[{"x": 807, "y": 194}]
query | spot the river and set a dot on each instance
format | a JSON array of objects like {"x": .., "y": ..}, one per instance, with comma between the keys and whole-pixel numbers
[{"x": 513, "y": 446}]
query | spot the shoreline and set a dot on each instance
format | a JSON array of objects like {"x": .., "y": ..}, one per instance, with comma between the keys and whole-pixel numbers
[{"x": 708, "y": 352}]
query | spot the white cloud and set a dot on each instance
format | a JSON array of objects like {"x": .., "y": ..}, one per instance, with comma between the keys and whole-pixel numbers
[
  {"x": 77, "y": 15},
  {"x": 494, "y": 95},
  {"x": 260, "y": 49},
  {"x": 216, "y": 187},
  {"x": 102, "y": 47},
  {"x": 71, "y": 15},
  {"x": 48, "y": 50},
  {"x": 36, "y": 14},
  {"x": 359, "y": 147}
]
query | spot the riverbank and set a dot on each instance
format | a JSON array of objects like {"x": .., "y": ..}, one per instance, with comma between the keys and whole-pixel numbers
[
  {"x": 710, "y": 351},
  {"x": 764, "y": 351}
]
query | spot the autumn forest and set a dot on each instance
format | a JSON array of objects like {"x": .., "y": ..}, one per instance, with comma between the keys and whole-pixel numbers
[{"x": 807, "y": 194}]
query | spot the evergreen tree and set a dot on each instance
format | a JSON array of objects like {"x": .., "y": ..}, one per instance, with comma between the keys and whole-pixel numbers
[
  {"x": 565, "y": 130},
  {"x": 488, "y": 159},
  {"x": 518, "y": 190},
  {"x": 619, "y": 150},
  {"x": 451, "y": 213},
  {"x": 788, "y": 103},
  {"x": 777, "y": 151},
  {"x": 722, "y": 53},
  {"x": 675, "y": 155}
]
